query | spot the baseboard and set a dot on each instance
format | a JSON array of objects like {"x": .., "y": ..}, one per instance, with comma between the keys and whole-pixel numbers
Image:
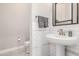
[{"x": 3, "y": 52}]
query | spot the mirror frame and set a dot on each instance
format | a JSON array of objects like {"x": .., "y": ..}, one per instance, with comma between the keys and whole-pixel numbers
[{"x": 55, "y": 22}]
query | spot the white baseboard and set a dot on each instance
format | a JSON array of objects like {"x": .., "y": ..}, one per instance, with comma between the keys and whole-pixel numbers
[{"x": 11, "y": 49}]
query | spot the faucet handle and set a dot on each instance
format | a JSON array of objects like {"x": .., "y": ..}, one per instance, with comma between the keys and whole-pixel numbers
[{"x": 70, "y": 33}]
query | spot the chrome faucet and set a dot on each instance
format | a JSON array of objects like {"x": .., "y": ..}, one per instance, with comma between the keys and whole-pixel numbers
[{"x": 61, "y": 32}]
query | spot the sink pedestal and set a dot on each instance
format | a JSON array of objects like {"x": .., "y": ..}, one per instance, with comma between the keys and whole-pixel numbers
[
  {"x": 60, "y": 50},
  {"x": 61, "y": 42}
]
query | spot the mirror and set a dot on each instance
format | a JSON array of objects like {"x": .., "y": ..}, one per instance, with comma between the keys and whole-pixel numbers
[{"x": 65, "y": 13}]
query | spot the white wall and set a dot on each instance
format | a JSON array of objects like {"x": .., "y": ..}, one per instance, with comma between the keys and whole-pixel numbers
[
  {"x": 14, "y": 24},
  {"x": 39, "y": 42}
]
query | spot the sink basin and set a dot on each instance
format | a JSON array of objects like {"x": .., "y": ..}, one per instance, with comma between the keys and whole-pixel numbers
[{"x": 63, "y": 40}]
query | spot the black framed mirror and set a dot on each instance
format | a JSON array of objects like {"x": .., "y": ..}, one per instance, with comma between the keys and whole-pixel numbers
[{"x": 65, "y": 13}]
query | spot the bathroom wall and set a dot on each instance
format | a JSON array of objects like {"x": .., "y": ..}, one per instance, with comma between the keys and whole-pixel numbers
[
  {"x": 14, "y": 25},
  {"x": 40, "y": 46},
  {"x": 39, "y": 41}
]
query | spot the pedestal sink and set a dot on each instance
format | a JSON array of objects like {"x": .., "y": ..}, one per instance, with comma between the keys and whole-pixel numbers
[{"x": 61, "y": 42}]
